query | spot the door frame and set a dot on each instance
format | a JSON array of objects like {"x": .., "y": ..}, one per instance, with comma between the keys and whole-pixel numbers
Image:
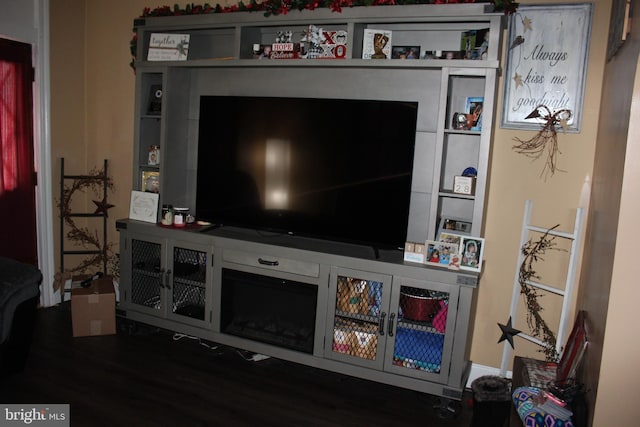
[{"x": 42, "y": 153}]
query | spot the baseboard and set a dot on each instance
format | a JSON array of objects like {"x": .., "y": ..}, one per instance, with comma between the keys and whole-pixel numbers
[{"x": 478, "y": 371}]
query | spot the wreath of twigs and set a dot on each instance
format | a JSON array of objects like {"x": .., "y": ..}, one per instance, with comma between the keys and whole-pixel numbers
[
  {"x": 82, "y": 236},
  {"x": 546, "y": 140},
  {"x": 533, "y": 252}
]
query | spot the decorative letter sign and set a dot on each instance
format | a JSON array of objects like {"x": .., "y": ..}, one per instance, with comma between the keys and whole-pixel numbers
[{"x": 546, "y": 63}]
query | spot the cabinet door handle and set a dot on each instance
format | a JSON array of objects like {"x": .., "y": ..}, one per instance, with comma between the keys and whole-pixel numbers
[
  {"x": 392, "y": 317},
  {"x": 163, "y": 279},
  {"x": 168, "y": 279},
  {"x": 383, "y": 315},
  {"x": 267, "y": 262}
]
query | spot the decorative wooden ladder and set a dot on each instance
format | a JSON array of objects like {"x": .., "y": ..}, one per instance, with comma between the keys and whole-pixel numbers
[
  {"x": 565, "y": 292},
  {"x": 63, "y": 251}
]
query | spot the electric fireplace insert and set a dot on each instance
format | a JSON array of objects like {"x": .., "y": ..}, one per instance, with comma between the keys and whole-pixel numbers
[{"x": 268, "y": 309}]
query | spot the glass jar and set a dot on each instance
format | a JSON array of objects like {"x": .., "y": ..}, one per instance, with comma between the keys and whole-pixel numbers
[
  {"x": 180, "y": 216},
  {"x": 167, "y": 215}
]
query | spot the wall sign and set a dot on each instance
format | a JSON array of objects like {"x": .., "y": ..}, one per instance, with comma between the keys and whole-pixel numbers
[
  {"x": 168, "y": 47},
  {"x": 547, "y": 51}
]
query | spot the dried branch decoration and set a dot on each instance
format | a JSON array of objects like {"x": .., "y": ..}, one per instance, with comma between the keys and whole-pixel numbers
[
  {"x": 547, "y": 139},
  {"x": 533, "y": 252},
  {"x": 82, "y": 236}
]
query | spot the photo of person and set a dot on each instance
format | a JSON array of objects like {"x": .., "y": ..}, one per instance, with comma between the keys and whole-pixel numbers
[
  {"x": 471, "y": 253},
  {"x": 440, "y": 252},
  {"x": 434, "y": 256}
]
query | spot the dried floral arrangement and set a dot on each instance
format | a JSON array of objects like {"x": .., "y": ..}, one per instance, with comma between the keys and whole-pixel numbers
[
  {"x": 533, "y": 251},
  {"x": 547, "y": 139},
  {"x": 94, "y": 181}
]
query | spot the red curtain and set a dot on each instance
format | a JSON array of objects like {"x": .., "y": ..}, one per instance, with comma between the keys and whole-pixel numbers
[{"x": 17, "y": 178}]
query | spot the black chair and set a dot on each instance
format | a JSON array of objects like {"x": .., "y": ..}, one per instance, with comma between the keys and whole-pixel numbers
[{"x": 19, "y": 296}]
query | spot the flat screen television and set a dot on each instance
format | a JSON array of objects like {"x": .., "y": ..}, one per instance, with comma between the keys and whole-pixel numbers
[{"x": 336, "y": 169}]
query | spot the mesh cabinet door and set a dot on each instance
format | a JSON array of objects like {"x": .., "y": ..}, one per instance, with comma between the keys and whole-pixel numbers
[
  {"x": 188, "y": 283},
  {"x": 357, "y": 318},
  {"x": 146, "y": 274},
  {"x": 423, "y": 335}
]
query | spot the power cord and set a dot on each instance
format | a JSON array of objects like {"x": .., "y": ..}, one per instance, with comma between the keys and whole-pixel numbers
[
  {"x": 252, "y": 357},
  {"x": 177, "y": 337}
]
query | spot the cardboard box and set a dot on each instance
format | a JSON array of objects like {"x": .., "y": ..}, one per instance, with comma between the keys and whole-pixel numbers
[{"x": 93, "y": 309}]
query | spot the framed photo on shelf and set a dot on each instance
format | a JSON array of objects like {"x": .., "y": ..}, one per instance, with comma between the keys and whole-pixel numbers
[
  {"x": 405, "y": 52},
  {"x": 376, "y": 44},
  {"x": 150, "y": 181},
  {"x": 471, "y": 252},
  {"x": 456, "y": 225},
  {"x": 447, "y": 236},
  {"x": 144, "y": 206},
  {"x": 439, "y": 253}
]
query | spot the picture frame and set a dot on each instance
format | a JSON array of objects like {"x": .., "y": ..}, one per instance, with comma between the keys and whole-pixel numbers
[
  {"x": 474, "y": 43},
  {"x": 144, "y": 206},
  {"x": 168, "y": 47},
  {"x": 405, "y": 52},
  {"x": 439, "y": 253},
  {"x": 146, "y": 177},
  {"x": 471, "y": 253},
  {"x": 451, "y": 237},
  {"x": 455, "y": 225},
  {"x": 474, "y": 105},
  {"x": 376, "y": 44},
  {"x": 547, "y": 52},
  {"x": 574, "y": 349}
]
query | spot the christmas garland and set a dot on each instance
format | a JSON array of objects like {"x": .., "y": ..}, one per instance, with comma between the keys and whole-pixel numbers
[{"x": 282, "y": 7}]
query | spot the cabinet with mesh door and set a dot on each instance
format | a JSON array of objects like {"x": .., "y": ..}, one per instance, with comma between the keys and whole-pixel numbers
[
  {"x": 169, "y": 279},
  {"x": 390, "y": 323}
]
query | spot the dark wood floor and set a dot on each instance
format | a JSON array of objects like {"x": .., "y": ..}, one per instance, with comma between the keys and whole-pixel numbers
[{"x": 146, "y": 378}]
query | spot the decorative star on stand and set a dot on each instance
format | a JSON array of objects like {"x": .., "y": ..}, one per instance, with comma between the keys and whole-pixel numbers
[
  {"x": 102, "y": 206},
  {"x": 508, "y": 332}
]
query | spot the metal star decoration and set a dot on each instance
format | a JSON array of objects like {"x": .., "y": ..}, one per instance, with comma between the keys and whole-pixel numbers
[
  {"x": 508, "y": 332},
  {"x": 102, "y": 206},
  {"x": 526, "y": 22},
  {"x": 518, "y": 79}
]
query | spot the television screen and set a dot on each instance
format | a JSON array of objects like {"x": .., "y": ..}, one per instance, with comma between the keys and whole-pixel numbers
[{"x": 335, "y": 169}]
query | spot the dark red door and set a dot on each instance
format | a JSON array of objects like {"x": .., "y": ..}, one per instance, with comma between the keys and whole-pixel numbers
[{"x": 18, "y": 239}]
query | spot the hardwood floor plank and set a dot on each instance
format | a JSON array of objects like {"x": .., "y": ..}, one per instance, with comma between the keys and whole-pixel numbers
[{"x": 150, "y": 379}]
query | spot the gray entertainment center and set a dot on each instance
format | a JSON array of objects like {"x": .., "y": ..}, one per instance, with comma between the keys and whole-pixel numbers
[{"x": 350, "y": 308}]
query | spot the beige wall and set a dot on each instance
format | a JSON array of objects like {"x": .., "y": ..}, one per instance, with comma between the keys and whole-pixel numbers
[
  {"x": 68, "y": 100},
  {"x": 610, "y": 288},
  {"x": 514, "y": 179},
  {"x": 92, "y": 119}
]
